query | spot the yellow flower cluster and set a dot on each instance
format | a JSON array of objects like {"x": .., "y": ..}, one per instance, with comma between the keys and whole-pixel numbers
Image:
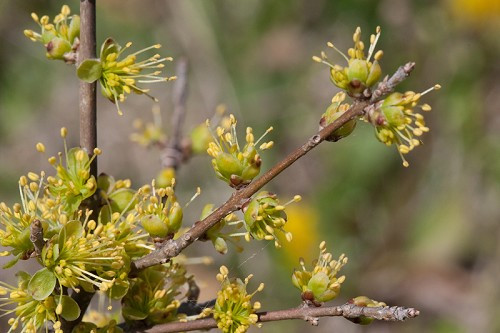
[
  {"x": 321, "y": 284},
  {"x": 120, "y": 75},
  {"x": 233, "y": 310},
  {"x": 361, "y": 72},
  {"x": 236, "y": 165},
  {"x": 61, "y": 37},
  {"x": 396, "y": 121}
]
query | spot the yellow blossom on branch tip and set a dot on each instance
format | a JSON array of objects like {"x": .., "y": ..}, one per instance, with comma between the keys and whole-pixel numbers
[
  {"x": 362, "y": 71},
  {"x": 398, "y": 123}
]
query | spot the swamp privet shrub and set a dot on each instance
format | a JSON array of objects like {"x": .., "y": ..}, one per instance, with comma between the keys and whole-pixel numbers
[{"x": 93, "y": 233}]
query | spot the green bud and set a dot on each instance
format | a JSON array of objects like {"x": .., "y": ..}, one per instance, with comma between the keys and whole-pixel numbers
[
  {"x": 394, "y": 115},
  {"x": 250, "y": 172},
  {"x": 357, "y": 70},
  {"x": 155, "y": 226},
  {"x": 318, "y": 284},
  {"x": 374, "y": 75},
  {"x": 220, "y": 245},
  {"x": 57, "y": 47},
  {"x": 395, "y": 98},
  {"x": 175, "y": 217},
  {"x": 74, "y": 28},
  {"x": 228, "y": 165},
  {"x": 332, "y": 113},
  {"x": 367, "y": 302}
]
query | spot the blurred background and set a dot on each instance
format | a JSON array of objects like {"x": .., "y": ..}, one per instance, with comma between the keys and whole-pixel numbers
[{"x": 427, "y": 236}]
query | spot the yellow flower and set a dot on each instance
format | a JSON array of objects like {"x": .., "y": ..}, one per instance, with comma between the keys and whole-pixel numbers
[
  {"x": 320, "y": 284},
  {"x": 236, "y": 165},
  {"x": 122, "y": 74},
  {"x": 396, "y": 121},
  {"x": 361, "y": 72},
  {"x": 303, "y": 225},
  {"x": 233, "y": 310}
]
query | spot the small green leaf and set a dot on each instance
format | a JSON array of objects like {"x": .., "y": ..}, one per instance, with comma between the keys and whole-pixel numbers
[
  {"x": 90, "y": 70},
  {"x": 84, "y": 327},
  {"x": 42, "y": 284},
  {"x": 23, "y": 278},
  {"x": 12, "y": 262},
  {"x": 130, "y": 313},
  {"x": 117, "y": 291},
  {"x": 121, "y": 199},
  {"x": 109, "y": 46},
  {"x": 70, "y": 309},
  {"x": 71, "y": 228},
  {"x": 105, "y": 182}
]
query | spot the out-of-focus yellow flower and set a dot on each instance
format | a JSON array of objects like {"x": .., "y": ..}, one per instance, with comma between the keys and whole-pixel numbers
[
  {"x": 303, "y": 224},
  {"x": 476, "y": 11}
]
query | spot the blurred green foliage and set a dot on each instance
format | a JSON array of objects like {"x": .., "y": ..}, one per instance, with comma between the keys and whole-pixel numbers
[{"x": 427, "y": 236}]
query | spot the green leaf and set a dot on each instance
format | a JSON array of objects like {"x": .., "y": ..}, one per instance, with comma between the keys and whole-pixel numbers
[
  {"x": 105, "y": 182},
  {"x": 70, "y": 309},
  {"x": 130, "y": 313},
  {"x": 117, "y": 291},
  {"x": 109, "y": 46},
  {"x": 12, "y": 262},
  {"x": 90, "y": 70},
  {"x": 23, "y": 278},
  {"x": 42, "y": 284},
  {"x": 71, "y": 228},
  {"x": 84, "y": 327},
  {"x": 121, "y": 199}
]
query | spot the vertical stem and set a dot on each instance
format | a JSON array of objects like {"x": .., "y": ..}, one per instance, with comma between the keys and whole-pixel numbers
[
  {"x": 87, "y": 92},
  {"x": 88, "y": 129}
]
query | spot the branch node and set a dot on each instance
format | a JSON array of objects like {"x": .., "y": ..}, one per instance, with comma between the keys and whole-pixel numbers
[{"x": 36, "y": 236}]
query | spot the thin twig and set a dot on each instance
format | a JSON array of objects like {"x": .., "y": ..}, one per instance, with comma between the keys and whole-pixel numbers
[
  {"x": 172, "y": 248},
  {"x": 88, "y": 129},
  {"x": 388, "y": 84},
  {"x": 310, "y": 314},
  {"x": 172, "y": 155}
]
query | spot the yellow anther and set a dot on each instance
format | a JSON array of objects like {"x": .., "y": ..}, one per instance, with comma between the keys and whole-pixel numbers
[{"x": 40, "y": 147}]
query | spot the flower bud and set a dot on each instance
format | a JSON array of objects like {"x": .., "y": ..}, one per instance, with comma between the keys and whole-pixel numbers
[
  {"x": 367, "y": 302},
  {"x": 155, "y": 226},
  {"x": 321, "y": 283},
  {"x": 57, "y": 47},
  {"x": 332, "y": 113}
]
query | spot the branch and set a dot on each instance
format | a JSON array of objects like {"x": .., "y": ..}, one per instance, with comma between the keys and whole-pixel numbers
[
  {"x": 173, "y": 154},
  {"x": 172, "y": 248},
  {"x": 87, "y": 91},
  {"x": 88, "y": 129},
  {"x": 388, "y": 84},
  {"x": 310, "y": 314}
]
